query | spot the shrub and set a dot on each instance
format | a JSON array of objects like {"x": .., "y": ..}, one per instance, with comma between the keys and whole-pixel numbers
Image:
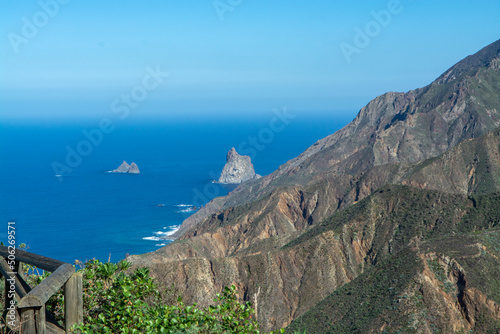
[{"x": 119, "y": 301}]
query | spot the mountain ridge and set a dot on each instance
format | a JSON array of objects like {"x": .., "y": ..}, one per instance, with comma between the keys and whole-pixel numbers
[
  {"x": 410, "y": 168},
  {"x": 384, "y": 132}
]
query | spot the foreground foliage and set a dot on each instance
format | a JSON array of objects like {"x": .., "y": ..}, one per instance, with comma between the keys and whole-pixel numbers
[{"x": 118, "y": 300}]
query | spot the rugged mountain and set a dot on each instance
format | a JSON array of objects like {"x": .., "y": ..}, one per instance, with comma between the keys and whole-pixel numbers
[
  {"x": 238, "y": 169},
  {"x": 410, "y": 169},
  {"x": 461, "y": 104},
  {"x": 289, "y": 276}
]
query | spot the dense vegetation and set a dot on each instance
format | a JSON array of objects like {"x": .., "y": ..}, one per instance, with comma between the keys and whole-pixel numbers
[{"x": 118, "y": 300}]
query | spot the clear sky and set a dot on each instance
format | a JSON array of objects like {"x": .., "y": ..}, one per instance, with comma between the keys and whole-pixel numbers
[{"x": 230, "y": 55}]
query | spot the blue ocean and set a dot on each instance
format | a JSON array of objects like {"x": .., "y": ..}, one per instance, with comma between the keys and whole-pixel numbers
[{"x": 88, "y": 213}]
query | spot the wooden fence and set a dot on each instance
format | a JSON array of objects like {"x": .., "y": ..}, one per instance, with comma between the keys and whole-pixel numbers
[{"x": 30, "y": 314}]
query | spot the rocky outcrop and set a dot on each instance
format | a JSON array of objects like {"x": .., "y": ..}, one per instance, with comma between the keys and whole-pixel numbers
[
  {"x": 238, "y": 169},
  {"x": 126, "y": 168}
]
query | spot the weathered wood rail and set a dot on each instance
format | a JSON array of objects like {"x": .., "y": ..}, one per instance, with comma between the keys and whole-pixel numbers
[{"x": 30, "y": 314}]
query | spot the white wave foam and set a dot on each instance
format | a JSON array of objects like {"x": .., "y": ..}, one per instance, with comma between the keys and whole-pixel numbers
[
  {"x": 184, "y": 211},
  {"x": 173, "y": 229},
  {"x": 160, "y": 245},
  {"x": 160, "y": 235},
  {"x": 184, "y": 205},
  {"x": 152, "y": 238}
]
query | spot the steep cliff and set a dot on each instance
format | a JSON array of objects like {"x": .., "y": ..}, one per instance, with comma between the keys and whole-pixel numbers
[{"x": 263, "y": 244}]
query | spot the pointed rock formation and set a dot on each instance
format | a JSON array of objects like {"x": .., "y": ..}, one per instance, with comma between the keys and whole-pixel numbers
[
  {"x": 238, "y": 169},
  {"x": 133, "y": 169},
  {"x": 126, "y": 168}
]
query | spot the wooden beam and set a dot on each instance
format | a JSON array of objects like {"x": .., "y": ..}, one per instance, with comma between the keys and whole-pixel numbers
[
  {"x": 73, "y": 301},
  {"x": 22, "y": 288},
  {"x": 42, "y": 292},
  {"x": 36, "y": 260}
]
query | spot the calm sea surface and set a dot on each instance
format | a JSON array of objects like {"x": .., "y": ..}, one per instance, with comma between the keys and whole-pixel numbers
[{"x": 89, "y": 213}]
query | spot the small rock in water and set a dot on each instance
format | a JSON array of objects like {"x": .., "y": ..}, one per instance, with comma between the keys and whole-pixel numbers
[
  {"x": 126, "y": 168},
  {"x": 133, "y": 169}
]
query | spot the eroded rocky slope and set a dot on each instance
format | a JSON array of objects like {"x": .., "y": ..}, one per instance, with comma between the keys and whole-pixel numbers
[
  {"x": 448, "y": 285},
  {"x": 288, "y": 276}
]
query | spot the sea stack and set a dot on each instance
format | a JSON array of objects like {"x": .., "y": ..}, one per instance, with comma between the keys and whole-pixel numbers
[
  {"x": 238, "y": 169},
  {"x": 126, "y": 168},
  {"x": 133, "y": 169}
]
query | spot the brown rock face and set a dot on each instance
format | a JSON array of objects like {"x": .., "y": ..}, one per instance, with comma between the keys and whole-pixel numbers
[{"x": 291, "y": 275}]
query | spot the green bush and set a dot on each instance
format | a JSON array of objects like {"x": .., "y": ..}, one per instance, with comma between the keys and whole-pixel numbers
[{"x": 120, "y": 302}]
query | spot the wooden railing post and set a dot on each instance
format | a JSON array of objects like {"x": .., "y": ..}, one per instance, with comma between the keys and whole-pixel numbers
[
  {"x": 33, "y": 317},
  {"x": 41, "y": 324},
  {"x": 20, "y": 291},
  {"x": 11, "y": 315},
  {"x": 28, "y": 324},
  {"x": 73, "y": 301},
  {"x": 6, "y": 294}
]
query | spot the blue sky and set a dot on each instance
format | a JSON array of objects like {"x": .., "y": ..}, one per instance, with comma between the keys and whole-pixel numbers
[{"x": 229, "y": 55}]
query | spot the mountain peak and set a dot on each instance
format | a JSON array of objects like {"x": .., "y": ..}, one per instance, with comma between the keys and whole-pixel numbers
[
  {"x": 482, "y": 58},
  {"x": 231, "y": 154}
]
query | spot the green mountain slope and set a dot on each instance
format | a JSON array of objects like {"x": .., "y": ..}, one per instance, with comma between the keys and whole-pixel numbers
[{"x": 445, "y": 285}]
